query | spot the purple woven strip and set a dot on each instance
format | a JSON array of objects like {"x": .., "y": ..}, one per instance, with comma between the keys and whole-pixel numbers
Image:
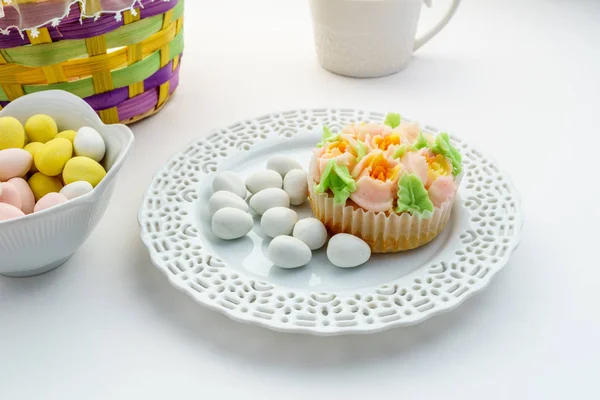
[
  {"x": 115, "y": 97},
  {"x": 138, "y": 105},
  {"x": 71, "y": 28},
  {"x": 145, "y": 102},
  {"x": 109, "y": 99}
]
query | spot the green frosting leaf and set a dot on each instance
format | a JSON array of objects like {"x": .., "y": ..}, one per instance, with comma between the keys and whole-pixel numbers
[
  {"x": 443, "y": 146},
  {"x": 412, "y": 195},
  {"x": 420, "y": 142},
  {"x": 327, "y": 136},
  {"x": 337, "y": 179},
  {"x": 392, "y": 120},
  {"x": 400, "y": 151},
  {"x": 361, "y": 150}
]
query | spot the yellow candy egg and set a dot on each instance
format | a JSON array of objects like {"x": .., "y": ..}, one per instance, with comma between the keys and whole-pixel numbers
[
  {"x": 50, "y": 160},
  {"x": 12, "y": 134},
  {"x": 41, "y": 185},
  {"x": 41, "y": 128},
  {"x": 32, "y": 148},
  {"x": 83, "y": 169},
  {"x": 67, "y": 135}
]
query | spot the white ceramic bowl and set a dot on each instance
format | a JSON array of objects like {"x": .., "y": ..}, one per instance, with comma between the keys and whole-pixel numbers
[{"x": 42, "y": 241}]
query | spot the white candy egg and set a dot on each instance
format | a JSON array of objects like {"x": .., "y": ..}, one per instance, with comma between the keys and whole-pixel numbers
[
  {"x": 289, "y": 252},
  {"x": 312, "y": 232},
  {"x": 278, "y": 221},
  {"x": 269, "y": 198},
  {"x": 222, "y": 199},
  {"x": 89, "y": 143},
  {"x": 76, "y": 189},
  {"x": 282, "y": 164},
  {"x": 230, "y": 182},
  {"x": 295, "y": 185},
  {"x": 231, "y": 223},
  {"x": 264, "y": 179},
  {"x": 347, "y": 251}
]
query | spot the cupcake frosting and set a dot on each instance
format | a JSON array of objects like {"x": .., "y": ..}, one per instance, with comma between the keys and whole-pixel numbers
[{"x": 386, "y": 167}]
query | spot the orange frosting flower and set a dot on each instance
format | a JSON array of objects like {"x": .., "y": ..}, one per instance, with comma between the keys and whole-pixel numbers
[
  {"x": 384, "y": 142},
  {"x": 382, "y": 170}
]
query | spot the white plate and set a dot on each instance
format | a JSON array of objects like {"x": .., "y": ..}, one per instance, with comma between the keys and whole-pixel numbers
[{"x": 237, "y": 279}]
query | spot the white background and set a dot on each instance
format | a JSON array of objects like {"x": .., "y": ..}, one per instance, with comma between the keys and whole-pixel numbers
[{"x": 518, "y": 78}]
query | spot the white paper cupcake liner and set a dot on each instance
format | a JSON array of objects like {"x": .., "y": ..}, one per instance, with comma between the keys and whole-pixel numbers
[{"x": 383, "y": 232}]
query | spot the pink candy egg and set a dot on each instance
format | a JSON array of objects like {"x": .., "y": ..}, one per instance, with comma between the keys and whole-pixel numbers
[
  {"x": 9, "y": 212},
  {"x": 27, "y": 198},
  {"x": 10, "y": 195},
  {"x": 48, "y": 201},
  {"x": 14, "y": 163}
]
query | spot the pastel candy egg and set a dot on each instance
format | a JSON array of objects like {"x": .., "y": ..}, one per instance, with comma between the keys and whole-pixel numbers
[
  {"x": 230, "y": 223},
  {"x": 48, "y": 201},
  {"x": 89, "y": 143},
  {"x": 288, "y": 252},
  {"x": 41, "y": 128},
  {"x": 230, "y": 182},
  {"x": 76, "y": 189},
  {"x": 83, "y": 169},
  {"x": 12, "y": 134},
  {"x": 222, "y": 199},
  {"x": 33, "y": 148},
  {"x": 41, "y": 185},
  {"x": 27, "y": 197},
  {"x": 264, "y": 179},
  {"x": 282, "y": 164},
  {"x": 50, "y": 160},
  {"x": 312, "y": 232},
  {"x": 70, "y": 135},
  {"x": 278, "y": 221},
  {"x": 295, "y": 185},
  {"x": 10, "y": 195},
  {"x": 347, "y": 251},
  {"x": 269, "y": 198},
  {"x": 14, "y": 163},
  {"x": 9, "y": 212}
]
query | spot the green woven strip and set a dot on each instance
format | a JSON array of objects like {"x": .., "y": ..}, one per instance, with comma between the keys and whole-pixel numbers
[
  {"x": 123, "y": 77},
  {"x": 52, "y": 53}
]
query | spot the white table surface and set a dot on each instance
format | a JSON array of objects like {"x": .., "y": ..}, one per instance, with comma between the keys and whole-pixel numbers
[{"x": 518, "y": 78}]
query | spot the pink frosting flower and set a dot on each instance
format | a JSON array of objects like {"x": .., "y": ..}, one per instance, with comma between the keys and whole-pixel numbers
[
  {"x": 342, "y": 150},
  {"x": 415, "y": 163},
  {"x": 442, "y": 190},
  {"x": 376, "y": 182},
  {"x": 361, "y": 130}
]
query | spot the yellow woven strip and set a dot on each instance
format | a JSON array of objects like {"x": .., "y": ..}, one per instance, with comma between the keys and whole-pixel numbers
[
  {"x": 96, "y": 45},
  {"x": 165, "y": 57},
  {"x": 102, "y": 79},
  {"x": 13, "y": 91},
  {"x": 53, "y": 73},
  {"x": 92, "y": 7},
  {"x": 74, "y": 69},
  {"x": 109, "y": 116},
  {"x": 134, "y": 54},
  {"x": 117, "y": 59}
]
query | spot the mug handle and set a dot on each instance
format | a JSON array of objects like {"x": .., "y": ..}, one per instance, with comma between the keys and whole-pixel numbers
[{"x": 437, "y": 27}]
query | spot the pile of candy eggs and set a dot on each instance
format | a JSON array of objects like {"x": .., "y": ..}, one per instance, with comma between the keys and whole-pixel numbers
[
  {"x": 42, "y": 167},
  {"x": 272, "y": 192}
]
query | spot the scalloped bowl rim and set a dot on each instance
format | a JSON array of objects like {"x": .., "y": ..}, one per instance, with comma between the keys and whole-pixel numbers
[{"x": 87, "y": 111}]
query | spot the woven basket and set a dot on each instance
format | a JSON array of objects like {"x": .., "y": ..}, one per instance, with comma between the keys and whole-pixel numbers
[{"x": 126, "y": 66}]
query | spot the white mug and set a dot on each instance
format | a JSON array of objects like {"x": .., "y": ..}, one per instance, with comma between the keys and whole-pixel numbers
[{"x": 370, "y": 38}]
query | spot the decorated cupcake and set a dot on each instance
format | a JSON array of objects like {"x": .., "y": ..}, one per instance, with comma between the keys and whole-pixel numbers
[{"x": 388, "y": 183}]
